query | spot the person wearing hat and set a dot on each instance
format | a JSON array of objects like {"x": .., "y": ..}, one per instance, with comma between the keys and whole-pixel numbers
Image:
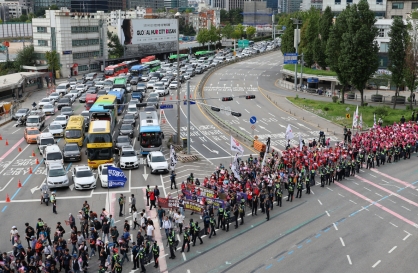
[
  {"x": 13, "y": 234},
  {"x": 75, "y": 264}
]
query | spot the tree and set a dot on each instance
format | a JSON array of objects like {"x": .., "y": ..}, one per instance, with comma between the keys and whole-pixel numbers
[
  {"x": 358, "y": 57},
  {"x": 324, "y": 28},
  {"x": 308, "y": 34},
  {"x": 250, "y": 31},
  {"x": 287, "y": 37},
  {"x": 239, "y": 31},
  {"x": 333, "y": 49},
  {"x": 227, "y": 31},
  {"x": 203, "y": 36},
  {"x": 397, "y": 51},
  {"x": 52, "y": 59},
  {"x": 115, "y": 47},
  {"x": 411, "y": 59},
  {"x": 25, "y": 56},
  {"x": 224, "y": 14},
  {"x": 1, "y": 21},
  {"x": 213, "y": 35}
]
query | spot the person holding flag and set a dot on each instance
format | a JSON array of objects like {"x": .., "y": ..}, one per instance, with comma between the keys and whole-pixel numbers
[{"x": 355, "y": 118}]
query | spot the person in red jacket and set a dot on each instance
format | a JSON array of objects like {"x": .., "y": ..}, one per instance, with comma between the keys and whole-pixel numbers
[{"x": 152, "y": 199}]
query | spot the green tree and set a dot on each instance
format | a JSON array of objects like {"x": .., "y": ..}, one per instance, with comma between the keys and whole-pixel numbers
[
  {"x": 25, "y": 56},
  {"x": 213, "y": 35},
  {"x": 227, "y": 31},
  {"x": 115, "y": 47},
  {"x": 414, "y": 15},
  {"x": 324, "y": 28},
  {"x": 224, "y": 14},
  {"x": 333, "y": 49},
  {"x": 53, "y": 61},
  {"x": 308, "y": 34},
  {"x": 250, "y": 31},
  {"x": 41, "y": 12},
  {"x": 287, "y": 37},
  {"x": 411, "y": 59},
  {"x": 235, "y": 16},
  {"x": 397, "y": 51},
  {"x": 203, "y": 36},
  {"x": 1, "y": 21},
  {"x": 358, "y": 56},
  {"x": 239, "y": 30}
]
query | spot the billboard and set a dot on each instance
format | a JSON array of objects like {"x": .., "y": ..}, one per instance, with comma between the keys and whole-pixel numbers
[{"x": 148, "y": 36}]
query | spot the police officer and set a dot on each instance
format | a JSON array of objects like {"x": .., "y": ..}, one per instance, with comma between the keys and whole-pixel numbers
[
  {"x": 117, "y": 264},
  {"x": 135, "y": 251},
  {"x": 268, "y": 207},
  {"x": 262, "y": 200},
  {"x": 212, "y": 226},
  {"x": 156, "y": 252},
  {"x": 308, "y": 184},
  {"x": 142, "y": 257},
  {"x": 220, "y": 216},
  {"x": 369, "y": 161},
  {"x": 322, "y": 172},
  {"x": 254, "y": 206},
  {"x": 291, "y": 190},
  {"x": 241, "y": 210},
  {"x": 235, "y": 211},
  {"x": 102, "y": 269},
  {"x": 279, "y": 194},
  {"x": 186, "y": 239},
  {"x": 313, "y": 176},
  {"x": 226, "y": 219},
  {"x": 171, "y": 244},
  {"x": 299, "y": 187},
  {"x": 196, "y": 234}
]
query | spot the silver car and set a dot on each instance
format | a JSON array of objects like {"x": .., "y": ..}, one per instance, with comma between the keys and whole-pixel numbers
[{"x": 56, "y": 176}]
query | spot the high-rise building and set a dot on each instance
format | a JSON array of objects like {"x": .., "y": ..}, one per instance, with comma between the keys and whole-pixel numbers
[
  {"x": 43, "y": 4},
  {"x": 273, "y": 4},
  {"x": 89, "y": 5},
  {"x": 257, "y": 13},
  {"x": 175, "y": 3},
  {"x": 154, "y": 4}
]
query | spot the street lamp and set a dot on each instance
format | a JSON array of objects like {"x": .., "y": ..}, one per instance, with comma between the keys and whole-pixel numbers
[
  {"x": 296, "y": 22},
  {"x": 177, "y": 16}
]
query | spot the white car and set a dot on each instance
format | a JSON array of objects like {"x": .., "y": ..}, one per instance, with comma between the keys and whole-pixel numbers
[
  {"x": 48, "y": 109},
  {"x": 62, "y": 119},
  {"x": 45, "y": 101},
  {"x": 55, "y": 96},
  {"x": 174, "y": 84},
  {"x": 145, "y": 78},
  {"x": 84, "y": 178},
  {"x": 186, "y": 76},
  {"x": 56, "y": 129},
  {"x": 73, "y": 84},
  {"x": 102, "y": 173},
  {"x": 128, "y": 158},
  {"x": 161, "y": 91},
  {"x": 166, "y": 82},
  {"x": 75, "y": 92},
  {"x": 72, "y": 97},
  {"x": 56, "y": 176},
  {"x": 157, "y": 162},
  {"x": 150, "y": 84},
  {"x": 81, "y": 87},
  {"x": 132, "y": 110}
]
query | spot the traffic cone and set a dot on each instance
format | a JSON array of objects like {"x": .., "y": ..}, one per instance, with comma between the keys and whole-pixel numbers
[
  {"x": 33, "y": 153},
  {"x": 1, "y": 138},
  {"x": 171, "y": 98},
  {"x": 7, "y": 143},
  {"x": 7, "y": 198},
  {"x": 164, "y": 99},
  {"x": 30, "y": 170},
  {"x": 190, "y": 96},
  {"x": 19, "y": 149},
  {"x": 36, "y": 161},
  {"x": 19, "y": 184}
]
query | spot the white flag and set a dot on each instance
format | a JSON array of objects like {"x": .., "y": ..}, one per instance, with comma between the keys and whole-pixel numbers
[
  {"x": 289, "y": 133},
  {"x": 235, "y": 167},
  {"x": 173, "y": 158},
  {"x": 355, "y": 118},
  {"x": 236, "y": 146},
  {"x": 374, "y": 121},
  {"x": 300, "y": 143}
]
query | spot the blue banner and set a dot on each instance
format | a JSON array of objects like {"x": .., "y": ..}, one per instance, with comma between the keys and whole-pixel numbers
[{"x": 115, "y": 177}]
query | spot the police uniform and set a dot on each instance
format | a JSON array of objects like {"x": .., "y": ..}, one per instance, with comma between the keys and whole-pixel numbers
[
  {"x": 171, "y": 245},
  {"x": 156, "y": 251},
  {"x": 220, "y": 216},
  {"x": 212, "y": 222},
  {"x": 186, "y": 240}
]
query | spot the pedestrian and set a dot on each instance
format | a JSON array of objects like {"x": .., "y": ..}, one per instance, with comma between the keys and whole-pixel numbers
[
  {"x": 29, "y": 231},
  {"x": 142, "y": 257},
  {"x": 71, "y": 220},
  {"x": 299, "y": 187},
  {"x": 156, "y": 252},
  {"x": 173, "y": 179},
  {"x": 241, "y": 210},
  {"x": 186, "y": 239},
  {"x": 105, "y": 230},
  {"x": 402, "y": 120},
  {"x": 121, "y": 202},
  {"x": 236, "y": 213},
  {"x": 254, "y": 205},
  {"x": 135, "y": 218},
  {"x": 268, "y": 205},
  {"x": 133, "y": 203},
  {"x": 290, "y": 190},
  {"x": 135, "y": 256},
  {"x": 161, "y": 215},
  {"x": 114, "y": 233},
  {"x": 166, "y": 224},
  {"x": 156, "y": 193},
  {"x": 152, "y": 199},
  {"x": 66, "y": 260},
  {"x": 226, "y": 219},
  {"x": 148, "y": 190},
  {"x": 13, "y": 234},
  {"x": 54, "y": 203},
  {"x": 150, "y": 231},
  {"x": 171, "y": 242}
]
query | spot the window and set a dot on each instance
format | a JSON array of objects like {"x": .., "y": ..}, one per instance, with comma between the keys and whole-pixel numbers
[
  {"x": 384, "y": 47},
  {"x": 397, "y": 5},
  {"x": 414, "y": 5},
  {"x": 379, "y": 2},
  {"x": 42, "y": 43},
  {"x": 85, "y": 42},
  {"x": 381, "y": 32},
  {"x": 41, "y": 29},
  {"x": 84, "y": 29},
  {"x": 83, "y": 55},
  {"x": 337, "y": 2}
]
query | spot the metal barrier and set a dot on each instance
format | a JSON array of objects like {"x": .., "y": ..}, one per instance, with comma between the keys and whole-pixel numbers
[{"x": 202, "y": 83}]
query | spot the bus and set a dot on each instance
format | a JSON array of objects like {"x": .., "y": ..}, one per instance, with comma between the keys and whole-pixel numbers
[
  {"x": 139, "y": 70},
  {"x": 74, "y": 132},
  {"x": 121, "y": 97},
  {"x": 115, "y": 70},
  {"x": 120, "y": 83},
  {"x": 99, "y": 143},
  {"x": 100, "y": 110},
  {"x": 204, "y": 53},
  {"x": 90, "y": 100},
  {"x": 131, "y": 63},
  {"x": 148, "y": 59},
  {"x": 154, "y": 65},
  {"x": 150, "y": 135},
  {"x": 182, "y": 58}
]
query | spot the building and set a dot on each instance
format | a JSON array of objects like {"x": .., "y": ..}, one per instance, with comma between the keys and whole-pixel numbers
[
  {"x": 113, "y": 16},
  {"x": 43, "y": 4},
  {"x": 227, "y": 4},
  {"x": 256, "y": 13},
  {"x": 377, "y": 6},
  {"x": 170, "y": 4},
  {"x": 273, "y": 4},
  {"x": 80, "y": 40},
  {"x": 307, "y": 4},
  {"x": 14, "y": 8},
  {"x": 204, "y": 19},
  {"x": 90, "y": 6},
  {"x": 154, "y": 4},
  {"x": 293, "y": 5},
  {"x": 397, "y": 8},
  {"x": 4, "y": 13}
]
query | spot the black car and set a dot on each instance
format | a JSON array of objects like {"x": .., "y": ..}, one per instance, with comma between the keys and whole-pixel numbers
[
  {"x": 22, "y": 112},
  {"x": 71, "y": 151},
  {"x": 122, "y": 140},
  {"x": 135, "y": 80},
  {"x": 93, "y": 90},
  {"x": 127, "y": 129},
  {"x": 153, "y": 101},
  {"x": 63, "y": 102},
  {"x": 89, "y": 84},
  {"x": 129, "y": 119}
]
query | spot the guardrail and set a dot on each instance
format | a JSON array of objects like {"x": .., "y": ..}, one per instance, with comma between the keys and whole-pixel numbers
[{"x": 237, "y": 133}]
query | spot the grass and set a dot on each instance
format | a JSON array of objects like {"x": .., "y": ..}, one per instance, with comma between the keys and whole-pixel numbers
[
  {"x": 336, "y": 112},
  {"x": 310, "y": 71}
]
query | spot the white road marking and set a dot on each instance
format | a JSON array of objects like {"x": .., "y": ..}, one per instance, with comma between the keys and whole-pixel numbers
[
  {"x": 407, "y": 236},
  {"x": 355, "y": 183},
  {"x": 378, "y": 194},
  {"x": 327, "y": 213},
  {"x": 349, "y": 259},
  {"x": 342, "y": 242},
  {"x": 247, "y": 111},
  {"x": 376, "y": 264},
  {"x": 393, "y": 224},
  {"x": 184, "y": 256},
  {"x": 329, "y": 189},
  {"x": 393, "y": 248},
  {"x": 406, "y": 208},
  {"x": 392, "y": 201},
  {"x": 361, "y": 171},
  {"x": 367, "y": 189},
  {"x": 258, "y": 106},
  {"x": 16, "y": 131},
  {"x": 335, "y": 226},
  {"x": 372, "y": 175},
  {"x": 341, "y": 195},
  {"x": 353, "y": 202},
  {"x": 379, "y": 216},
  {"x": 272, "y": 115},
  {"x": 319, "y": 202}
]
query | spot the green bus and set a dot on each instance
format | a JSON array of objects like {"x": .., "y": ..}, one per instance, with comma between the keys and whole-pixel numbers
[
  {"x": 205, "y": 53},
  {"x": 153, "y": 65},
  {"x": 182, "y": 57}
]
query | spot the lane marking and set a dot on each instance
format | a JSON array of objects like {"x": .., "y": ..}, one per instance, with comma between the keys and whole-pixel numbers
[
  {"x": 378, "y": 194},
  {"x": 394, "y": 179},
  {"x": 393, "y": 224},
  {"x": 335, "y": 226},
  {"x": 342, "y": 241},
  {"x": 376, "y": 264},
  {"x": 341, "y": 195},
  {"x": 349, "y": 259},
  {"x": 355, "y": 183},
  {"x": 319, "y": 202},
  {"x": 367, "y": 189},
  {"x": 406, "y": 237},
  {"x": 7, "y": 184},
  {"x": 353, "y": 202},
  {"x": 406, "y": 208},
  {"x": 379, "y": 216},
  {"x": 392, "y": 201},
  {"x": 330, "y": 189},
  {"x": 327, "y": 213},
  {"x": 372, "y": 175},
  {"x": 393, "y": 248}
]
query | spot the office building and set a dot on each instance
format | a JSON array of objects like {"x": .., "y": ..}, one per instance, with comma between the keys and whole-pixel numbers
[
  {"x": 400, "y": 8},
  {"x": 377, "y": 6},
  {"x": 257, "y": 13},
  {"x": 44, "y": 4},
  {"x": 171, "y": 4}
]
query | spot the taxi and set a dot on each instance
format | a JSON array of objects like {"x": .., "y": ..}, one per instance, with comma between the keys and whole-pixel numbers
[{"x": 30, "y": 134}]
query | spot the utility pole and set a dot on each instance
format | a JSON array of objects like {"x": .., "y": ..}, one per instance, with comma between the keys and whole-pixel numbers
[
  {"x": 177, "y": 16},
  {"x": 296, "y": 22},
  {"x": 301, "y": 73},
  {"x": 188, "y": 117}
]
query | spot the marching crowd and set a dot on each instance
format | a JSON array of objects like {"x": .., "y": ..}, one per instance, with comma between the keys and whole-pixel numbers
[{"x": 258, "y": 182}]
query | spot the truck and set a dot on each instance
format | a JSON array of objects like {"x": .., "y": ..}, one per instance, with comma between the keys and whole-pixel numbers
[{"x": 43, "y": 140}]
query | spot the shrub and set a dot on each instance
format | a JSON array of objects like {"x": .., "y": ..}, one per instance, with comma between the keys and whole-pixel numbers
[
  {"x": 381, "y": 111},
  {"x": 296, "y": 97},
  {"x": 334, "y": 99}
]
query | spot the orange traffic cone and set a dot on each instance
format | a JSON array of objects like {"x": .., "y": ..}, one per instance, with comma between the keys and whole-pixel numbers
[
  {"x": 1, "y": 138},
  {"x": 33, "y": 153},
  {"x": 19, "y": 149},
  {"x": 36, "y": 161},
  {"x": 171, "y": 98},
  {"x": 7, "y": 198},
  {"x": 19, "y": 184},
  {"x": 7, "y": 143},
  {"x": 30, "y": 170}
]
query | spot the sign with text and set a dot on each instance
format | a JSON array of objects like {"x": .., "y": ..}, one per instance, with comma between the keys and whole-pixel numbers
[
  {"x": 290, "y": 58},
  {"x": 169, "y": 203}
]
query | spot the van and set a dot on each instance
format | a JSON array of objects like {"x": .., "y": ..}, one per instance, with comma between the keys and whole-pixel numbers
[
  {"x": 74, "y": 133},
  {"x": 36, "y": 119},
  {"x": 52, "y": 154},
  {"x": 63, "y": 88},
  {"x": 43, "y": 140}
]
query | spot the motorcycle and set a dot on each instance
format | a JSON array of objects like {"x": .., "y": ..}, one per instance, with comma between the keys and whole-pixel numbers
[
  {"x": 20, "y": 122},
  {"x": 45, "y": 198}
]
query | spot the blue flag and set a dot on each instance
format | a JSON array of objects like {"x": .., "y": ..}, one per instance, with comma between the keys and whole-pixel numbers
[{"x": 115, "y": 177}]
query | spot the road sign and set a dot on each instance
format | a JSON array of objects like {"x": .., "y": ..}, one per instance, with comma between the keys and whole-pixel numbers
[
  {"x": 253, "y": 120},
  {"x": 283, "y": 27},
  {"x": 347, "y": 109},
  {"x": 166, "y": 106},
  {"x": 253, "y": 127},
  {"x": 347, "y": 116},
  {"x": 290, "y": 58},
  {"x": 191, "y": 102}
]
